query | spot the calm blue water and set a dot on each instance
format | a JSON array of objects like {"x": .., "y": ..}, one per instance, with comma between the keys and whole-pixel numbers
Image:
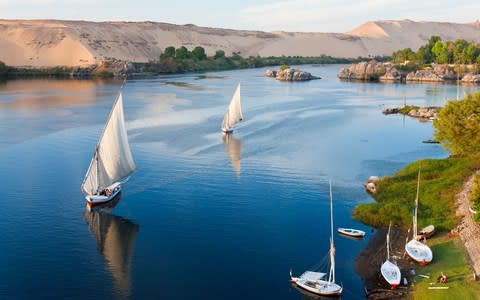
[{"x": 201, "y": 218}]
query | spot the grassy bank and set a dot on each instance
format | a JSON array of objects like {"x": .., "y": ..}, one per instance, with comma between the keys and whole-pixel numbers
[
  {"x": 449, "y": 258},
  {"x": 440, "y": 181}
]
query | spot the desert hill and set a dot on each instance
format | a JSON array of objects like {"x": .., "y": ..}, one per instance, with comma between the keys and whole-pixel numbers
[{"x": 50, "y": 43}]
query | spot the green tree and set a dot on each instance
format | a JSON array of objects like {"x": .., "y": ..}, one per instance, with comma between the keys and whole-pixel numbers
[
  {"x": 403, "y": 55},
  {"x": 182, "y": 53},
  {"x": 3, "y": 69},
  {"x": 458, "y": 124},
  {"x": 199, "y": 53},
  {"x": 424, "y": 54},
  {"x": 440, "y": 53},
  {"x": 459, "y": 51},
  {"x": 169, "y": 52},
  {"x": 219, "y": 54}
]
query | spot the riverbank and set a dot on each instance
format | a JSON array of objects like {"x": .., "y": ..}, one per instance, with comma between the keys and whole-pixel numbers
[
  {"x": 456, "y": 253},
  {"x": 170, "y": 65}
]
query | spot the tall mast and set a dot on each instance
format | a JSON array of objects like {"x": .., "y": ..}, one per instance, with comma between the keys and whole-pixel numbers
[
  {"x": 416, "y": 207},
  {"x": 331, "y": 276},
  {"x": 388, "y": 241}
]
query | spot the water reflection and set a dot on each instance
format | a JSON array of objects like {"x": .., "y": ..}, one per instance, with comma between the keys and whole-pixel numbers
[
  {"x": 306, "y": 295},
  {"x": 233, "y": 147},
  {"x": 36, "y": 94},
  {"x": 115, "y": 237}
]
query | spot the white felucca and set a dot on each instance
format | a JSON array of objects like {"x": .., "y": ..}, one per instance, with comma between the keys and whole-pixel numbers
[
  {"x": 417, "y": 250},
  {"x": 233, "y": 115},
  {"x": 313, "y": 281},
  {"x": 390, "y": 270},
  {"x": 112, "y": 161}
]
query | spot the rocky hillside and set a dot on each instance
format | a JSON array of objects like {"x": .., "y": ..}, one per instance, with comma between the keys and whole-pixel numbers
[{"x": 78, "y": 43}]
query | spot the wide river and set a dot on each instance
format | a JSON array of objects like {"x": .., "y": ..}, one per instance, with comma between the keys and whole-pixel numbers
[{"x": 202, "y": 217}]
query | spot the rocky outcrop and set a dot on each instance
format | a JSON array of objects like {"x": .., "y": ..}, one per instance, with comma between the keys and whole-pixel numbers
[
  {"x": 429, "y": 113},
  {"x": 369, "y": 71},
  {"x": 371, "y": 184},
  {"x": 425, "y": 113},
  {"x": 270, "y": 73},
  {"x": 290, "y": 75},
  {"x": 392, "y": 74},
  {"x": 471, "y": 78},
  {"x": 439, "y": 73}
]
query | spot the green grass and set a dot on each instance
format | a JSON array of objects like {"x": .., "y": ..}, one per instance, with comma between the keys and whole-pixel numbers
[
  {"x": 440, "y": 181},
  {"x": 448, "y": 257},
  {"x": 406, "y": 109}
]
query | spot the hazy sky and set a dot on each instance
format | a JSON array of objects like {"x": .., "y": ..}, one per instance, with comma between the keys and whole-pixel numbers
[{"x": 266, "y": 15}]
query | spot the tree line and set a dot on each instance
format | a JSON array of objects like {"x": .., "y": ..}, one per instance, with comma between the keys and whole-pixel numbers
[{"x": 441, "y": 52}]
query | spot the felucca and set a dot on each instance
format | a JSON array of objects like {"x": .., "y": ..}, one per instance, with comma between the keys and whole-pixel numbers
[
  {"x": 417, "y": 250},
  {"x": 390, "y": 270},
  {"x": 112, "y": 161},
  {"x": 233, "y": 115},
  {"x": 313, "y": 281}
]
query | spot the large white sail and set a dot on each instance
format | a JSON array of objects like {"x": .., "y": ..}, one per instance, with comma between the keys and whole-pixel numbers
[
  {"x": 233, "y": 115},
  {"x": 112, "y": 160}
]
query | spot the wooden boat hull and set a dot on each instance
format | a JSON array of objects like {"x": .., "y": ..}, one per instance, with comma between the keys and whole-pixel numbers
[
  {"x": 351, "y": 232},
  {"x": 426, "y": 232},
  {"x": 96, "y": 200}
]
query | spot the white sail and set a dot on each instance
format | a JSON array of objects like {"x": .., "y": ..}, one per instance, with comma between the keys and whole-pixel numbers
[
  {"x": 233, "y": 115},
  {"x": 112, "y": 160}
]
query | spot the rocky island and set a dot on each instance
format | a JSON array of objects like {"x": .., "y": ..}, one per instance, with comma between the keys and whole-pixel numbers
[
  {"x": 290, "y": 74},
  {"x": 388, "y": 72}
]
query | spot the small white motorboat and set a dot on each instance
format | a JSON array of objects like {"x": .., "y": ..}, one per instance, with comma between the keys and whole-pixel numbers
[{"x": 351, "y": 232}]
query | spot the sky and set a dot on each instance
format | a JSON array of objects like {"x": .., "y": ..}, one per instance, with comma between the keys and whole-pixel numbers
[{"x": 264, "y": 15}]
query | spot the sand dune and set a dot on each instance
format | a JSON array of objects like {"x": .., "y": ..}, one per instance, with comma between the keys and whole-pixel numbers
[{"x": 79, "y": 43}]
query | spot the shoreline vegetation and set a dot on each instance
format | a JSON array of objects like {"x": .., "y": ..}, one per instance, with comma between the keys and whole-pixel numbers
[
  {"x": 171, "y": 61},
  {"x": 449, "y": 192},
  {"x": 436, "y": 61}
]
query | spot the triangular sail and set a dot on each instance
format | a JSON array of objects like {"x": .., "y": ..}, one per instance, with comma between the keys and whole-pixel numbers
[
  {"x": 112, "y": 160},
  {"x": 233, "y": 115}
]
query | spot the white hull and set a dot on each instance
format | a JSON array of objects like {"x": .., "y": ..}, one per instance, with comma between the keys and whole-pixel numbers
[
  {"x": 94, "y": 200},
  {"x": 318, "y": 287},
  {"x": 391, "y": 273},
  {"x": 419, "y": 252},
  {"x": 351, "y": 232},
  {"x": 227, "y": 131}
]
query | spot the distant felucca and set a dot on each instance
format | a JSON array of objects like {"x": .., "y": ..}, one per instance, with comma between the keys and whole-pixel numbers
[
  {"x": 418, "y": 251},
  {"x": 112, "y": 161},
  {"x": 233, "y": 115}
]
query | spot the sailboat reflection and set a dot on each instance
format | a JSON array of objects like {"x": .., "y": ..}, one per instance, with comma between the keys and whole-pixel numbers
[
  {"x": 233, "y": 147},
  {"x": 306, "y": 295},
  {"x": 115, "y": 237}
]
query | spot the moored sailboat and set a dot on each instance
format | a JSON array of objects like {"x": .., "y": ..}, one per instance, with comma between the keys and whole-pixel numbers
[
  {"x": 112, "y": 161},
  {"x": 314, "y": 282},
  {"x": 233, "y": 115},
  {"x": 390, "y": 271},
  {"x": 417, "y": 250}
]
